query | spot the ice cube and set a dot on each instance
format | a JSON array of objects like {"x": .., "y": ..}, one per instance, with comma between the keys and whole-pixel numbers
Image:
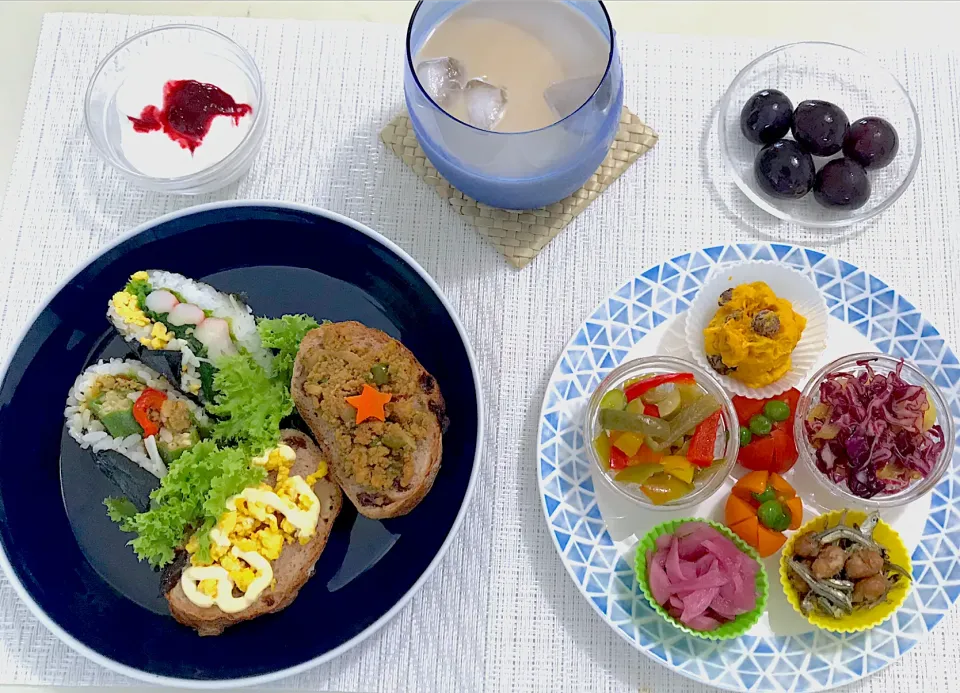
[
  {"x": 486, "y": 103},
  {"x": 565, "y": 97},
  {"x": 442, "y": 78}
]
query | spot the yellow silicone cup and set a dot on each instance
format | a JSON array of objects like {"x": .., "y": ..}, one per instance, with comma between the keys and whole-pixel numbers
[{"x": 884, "y": 535}]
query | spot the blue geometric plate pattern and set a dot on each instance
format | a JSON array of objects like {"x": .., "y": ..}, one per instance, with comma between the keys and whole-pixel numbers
[{"x": 812, "y": 661}]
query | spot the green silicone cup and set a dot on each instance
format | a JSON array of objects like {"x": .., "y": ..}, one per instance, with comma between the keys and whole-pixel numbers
[{"x": 733, "y": 629}]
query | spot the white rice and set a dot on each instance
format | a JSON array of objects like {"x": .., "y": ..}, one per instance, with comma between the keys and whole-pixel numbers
[
  {"x": 90, "y": 433},
  {"x": 243, "y": 325}
]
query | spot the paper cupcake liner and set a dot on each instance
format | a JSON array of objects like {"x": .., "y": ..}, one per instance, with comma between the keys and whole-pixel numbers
[
  {"x": 732, "y": 629},
  {"x": 884, "y": 535},
  {"x": 786, "y": 283}
]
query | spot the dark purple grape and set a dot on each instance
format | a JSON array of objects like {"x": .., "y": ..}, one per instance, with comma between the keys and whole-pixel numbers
[
  {"x": 871, "y": 142},
  {"x": 766, "y": 116},
  {"x": 784, "y": 170},
  {"x": 819, "y": 127},
  {"x": 842, "y": 184}
]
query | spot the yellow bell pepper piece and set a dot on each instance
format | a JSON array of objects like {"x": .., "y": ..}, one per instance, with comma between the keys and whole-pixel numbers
[
  {"x": 602, "y": 445},
  {"x": 662, "y": 488},
  {"x": 930, "y": 415},
  {"x": 628, "y": 443},
  {"x": 679, "y": 467}
]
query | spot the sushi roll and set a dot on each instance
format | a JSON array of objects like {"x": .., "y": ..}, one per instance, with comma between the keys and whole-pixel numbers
[
  {"x": 123, "y": 412},
  {"x": 182, "y": 328}
]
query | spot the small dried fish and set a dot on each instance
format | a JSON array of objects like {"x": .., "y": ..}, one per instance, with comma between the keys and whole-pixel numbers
[
  {"x": 838, "y": 597},
  {"x": 888, "y": 566},
  {"x": 842, "y": 585},
  {"x": 834, "y": 534},
  {"x": 831, "y": 608},
  {"x": 869, "y": 524}
]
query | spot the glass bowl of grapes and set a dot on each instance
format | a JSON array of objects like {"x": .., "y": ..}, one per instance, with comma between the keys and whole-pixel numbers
[{"x": 819, "y": 134}]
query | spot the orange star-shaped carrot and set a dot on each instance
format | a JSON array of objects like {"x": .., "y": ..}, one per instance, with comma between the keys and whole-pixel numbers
[{"x": 369, "y": 404}]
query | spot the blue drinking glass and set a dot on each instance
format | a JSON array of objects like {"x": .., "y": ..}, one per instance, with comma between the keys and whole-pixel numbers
[{"x": 515, "y": 170}]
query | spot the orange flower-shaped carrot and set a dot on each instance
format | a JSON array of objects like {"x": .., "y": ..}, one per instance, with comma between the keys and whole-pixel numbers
[
  {"x": 761, "y": 506},
  {"x": 369, "y": 404}
]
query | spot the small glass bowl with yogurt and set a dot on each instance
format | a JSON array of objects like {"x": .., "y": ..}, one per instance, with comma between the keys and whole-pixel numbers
[{"x": 127, "y": 114}]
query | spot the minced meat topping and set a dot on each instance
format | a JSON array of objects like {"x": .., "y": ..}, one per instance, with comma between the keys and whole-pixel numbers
[{"x": 380, "y": 452}]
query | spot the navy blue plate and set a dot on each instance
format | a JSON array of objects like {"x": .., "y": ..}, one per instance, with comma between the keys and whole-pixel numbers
[{"x": 70, "y": 563}]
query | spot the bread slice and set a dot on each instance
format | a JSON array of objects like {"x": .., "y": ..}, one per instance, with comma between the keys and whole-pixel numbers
[
  {"x": 334, "y": 362},
  {"x": 291, "y": 570}
]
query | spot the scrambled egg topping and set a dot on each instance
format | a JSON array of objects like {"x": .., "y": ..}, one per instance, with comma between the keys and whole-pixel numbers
[
  {"x": 256, "y": 526},
  {"x": 140, "y": 276},
  {"x": 753, "y": 334},
  {"x": 127, "y": 308},
  {"x": 159, "y": 336},
  {"x": 130, "y": 312}
]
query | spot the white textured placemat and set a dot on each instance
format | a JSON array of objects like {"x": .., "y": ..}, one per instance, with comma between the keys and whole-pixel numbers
[{"x": 500, "y": 613}]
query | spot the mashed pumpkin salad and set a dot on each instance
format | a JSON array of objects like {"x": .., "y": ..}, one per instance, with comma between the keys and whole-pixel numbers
[{"x": 752, "y": 335}]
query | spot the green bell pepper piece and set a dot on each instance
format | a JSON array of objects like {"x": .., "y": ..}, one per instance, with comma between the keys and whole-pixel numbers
[
  {"x": 615, "y": 420},
  {"x": 615, "y": 399},
  {"x": 684, "y": 422},
  {"x": 638, "y": 473}
]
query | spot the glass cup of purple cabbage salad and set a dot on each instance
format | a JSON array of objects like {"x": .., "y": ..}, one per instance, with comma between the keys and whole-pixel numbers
[{"x": 874, "y": 430}]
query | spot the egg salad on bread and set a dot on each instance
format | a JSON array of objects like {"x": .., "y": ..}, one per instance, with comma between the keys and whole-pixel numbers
[{"x": 265, "y": 543}]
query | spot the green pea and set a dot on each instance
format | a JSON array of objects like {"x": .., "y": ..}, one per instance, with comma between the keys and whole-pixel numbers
[
  {"x": 768, "y": 494},
  {"x": 760, "y": 425},
  {"x": 615, "y": 399},
  {"x": 380, "y": 374},
  {"x": 773, "y": 515},
  {"x": 745, "y": 436},
  {"x": 775, "y": 410}
]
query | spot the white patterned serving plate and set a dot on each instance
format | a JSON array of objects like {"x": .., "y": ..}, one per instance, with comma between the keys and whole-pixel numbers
[{"x": 596, "y": 531}]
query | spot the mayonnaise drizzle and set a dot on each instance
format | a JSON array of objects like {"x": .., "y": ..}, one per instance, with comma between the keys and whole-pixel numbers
[
  {"x": 191, "y": 577},
  {"x": 304, "y": 521}
]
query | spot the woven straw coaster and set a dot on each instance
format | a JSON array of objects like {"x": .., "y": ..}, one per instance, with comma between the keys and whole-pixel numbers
[{"x": 520, "y": 235}]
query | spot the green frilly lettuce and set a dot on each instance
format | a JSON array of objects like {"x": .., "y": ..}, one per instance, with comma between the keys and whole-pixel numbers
[{"x": 250, "y": 404}]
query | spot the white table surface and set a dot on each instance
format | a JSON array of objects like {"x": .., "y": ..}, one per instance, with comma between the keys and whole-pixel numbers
[{"x": 901, "y": 22}]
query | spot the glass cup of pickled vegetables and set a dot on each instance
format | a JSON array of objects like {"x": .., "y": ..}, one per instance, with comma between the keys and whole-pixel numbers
[{"x": 659, "y": 431}]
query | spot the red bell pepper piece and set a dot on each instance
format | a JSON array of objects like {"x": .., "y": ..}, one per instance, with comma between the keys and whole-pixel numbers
[
  {"x": 703, "y": 443},
  {"x": 638, "y": 388},
  {"x": 651, "y": 410},
  {"x": 618, "y": 458},
  {"x": 150, "y": 400}
]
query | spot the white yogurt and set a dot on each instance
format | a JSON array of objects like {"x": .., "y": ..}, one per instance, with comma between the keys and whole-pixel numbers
[{"x": 154, "y": 153}]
